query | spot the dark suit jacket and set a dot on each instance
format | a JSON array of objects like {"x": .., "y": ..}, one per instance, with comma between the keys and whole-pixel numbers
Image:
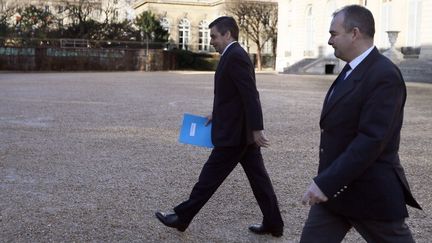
[
  {"x": 359, "y": 168},
  {"x": 236, "y": 106}
]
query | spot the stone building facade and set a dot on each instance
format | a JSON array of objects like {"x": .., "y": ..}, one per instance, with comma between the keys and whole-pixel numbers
[
  {"x": 303, "y": 30},
  {"x": 186, "y": 21}
]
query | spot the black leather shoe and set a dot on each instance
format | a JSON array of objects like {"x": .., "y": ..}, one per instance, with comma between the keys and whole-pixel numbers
[
  {"x": 171, "y": 220},
  {"x": 262, "y": 230}
]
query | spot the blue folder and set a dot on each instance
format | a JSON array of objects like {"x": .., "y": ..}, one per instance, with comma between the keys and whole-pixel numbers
[{"x": 193, "y": 131}]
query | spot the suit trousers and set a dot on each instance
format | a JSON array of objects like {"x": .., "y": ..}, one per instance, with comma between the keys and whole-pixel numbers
[
  {"x": 324, "y": 226},
  {"x": 221, "y": 162}
]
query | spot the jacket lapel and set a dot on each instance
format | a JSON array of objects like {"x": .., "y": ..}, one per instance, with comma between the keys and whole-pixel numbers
[
  {"x": 343, "y": 89},
  {"x": 348, "y": 84},
  {"x": 221, "y": 64}
]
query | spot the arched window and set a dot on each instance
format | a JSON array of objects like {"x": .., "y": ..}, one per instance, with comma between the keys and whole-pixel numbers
[
  {"x": 184, "y": 30},
  {"x": 204, "y": 36},
  {"x": 309, "y": 32},
  {"x": 165, "y": 24}
]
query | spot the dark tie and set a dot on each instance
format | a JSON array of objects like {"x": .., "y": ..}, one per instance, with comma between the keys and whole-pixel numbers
[{"x": 339, "y": 80}]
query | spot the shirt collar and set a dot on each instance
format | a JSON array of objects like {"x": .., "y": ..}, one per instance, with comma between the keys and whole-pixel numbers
[
  {"x": 354, "y": 63},
  {"x": 226, "y": 48}
]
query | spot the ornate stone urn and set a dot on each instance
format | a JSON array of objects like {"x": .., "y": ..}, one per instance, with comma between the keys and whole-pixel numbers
[{"x": 393, "y": 54}]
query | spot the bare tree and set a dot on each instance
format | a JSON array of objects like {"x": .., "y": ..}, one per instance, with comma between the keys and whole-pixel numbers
[
  {"x": 80, "y": 13},
  {"x": 6, "y": 4},
  {"x": 7, "y": 10},
  {"x": 258, "y": 21},
  {"x": 110, "y": 11}
]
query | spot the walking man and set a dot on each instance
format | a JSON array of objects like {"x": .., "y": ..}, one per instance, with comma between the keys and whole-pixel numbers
[
  {"x": 360, "y": 181},
  {"x": 237, "y": 134}
]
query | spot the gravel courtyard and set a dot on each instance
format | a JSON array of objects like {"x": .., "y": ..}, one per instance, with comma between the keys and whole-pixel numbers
[{"x": 89, "y": 157}]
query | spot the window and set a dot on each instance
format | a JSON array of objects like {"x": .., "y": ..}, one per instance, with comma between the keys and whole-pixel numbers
[
  {"x": 331, "y": 8},
  {"x": 165, "y": 24},
  {"x": 268, "y": 47},
  {"x": 184, "y": 30},
  {"x": 309, "y": 32},
  {"x": 204, "y": 36},
  {"x": 385, "y": 23},
  {"x": 414, "y": 23}
]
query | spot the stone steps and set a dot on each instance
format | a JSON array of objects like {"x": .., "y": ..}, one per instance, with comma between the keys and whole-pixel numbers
[
  {"x": 413, "y": 69},
  {"x": 416, "y": 70},
  {"x": 298, "y": 66}
]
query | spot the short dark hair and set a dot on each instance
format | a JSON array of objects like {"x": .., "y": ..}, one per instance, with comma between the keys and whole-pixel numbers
[
  {"x": 357, "y": 16},
  {"x": 224, "y": 24}
]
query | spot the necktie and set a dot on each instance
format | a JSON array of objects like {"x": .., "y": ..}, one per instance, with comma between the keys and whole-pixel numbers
[{"x": 340, "y": 78}]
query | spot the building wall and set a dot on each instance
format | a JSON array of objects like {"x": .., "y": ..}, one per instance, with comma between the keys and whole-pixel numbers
[
  {"x": 303, "y": 26},
  {"x": 75, "y": 59}
]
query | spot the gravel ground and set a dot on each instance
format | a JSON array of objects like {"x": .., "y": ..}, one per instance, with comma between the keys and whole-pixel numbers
[{"x": 91, "y": 156}]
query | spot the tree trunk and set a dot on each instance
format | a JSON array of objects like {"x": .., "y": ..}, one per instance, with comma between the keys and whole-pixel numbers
[
  {"x": 274, "y": 49},
  {"x": 258, "y": 57}
]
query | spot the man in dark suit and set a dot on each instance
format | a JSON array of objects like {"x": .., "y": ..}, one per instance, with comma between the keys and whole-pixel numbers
[
  {"x": 237, "y": 134},
  {"x": 360, "y": 181}
]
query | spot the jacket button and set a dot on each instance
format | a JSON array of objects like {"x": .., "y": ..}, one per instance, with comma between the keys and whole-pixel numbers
[
  {"x": 322, "y": 130},
  {"x": 321, "y": 150}
]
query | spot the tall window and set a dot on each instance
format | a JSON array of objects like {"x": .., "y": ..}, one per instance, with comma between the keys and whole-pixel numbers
[
  {"x": 331, "y": 8},
  {"x": 204, "y": 36},
  {"x": 267, "y": 47},
  {"x": 309, "y": 32},
  {"x": 184, "y": 30},
  {"x": 385, "y": 23},
  {"x": 165, "y": 24},
  {"x": 414, "y": 22}
]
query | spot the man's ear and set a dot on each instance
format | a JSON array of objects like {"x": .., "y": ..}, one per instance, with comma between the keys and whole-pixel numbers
[
  {"x": 227, "y": 35},
  {"x": 356, "y": 33}
]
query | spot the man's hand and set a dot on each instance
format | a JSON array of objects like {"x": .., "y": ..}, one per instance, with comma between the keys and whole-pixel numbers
[
  {"x": 260, "y": 139},
  {"x": 209, "y": 119},
  {"x": 313, "y": 195}
]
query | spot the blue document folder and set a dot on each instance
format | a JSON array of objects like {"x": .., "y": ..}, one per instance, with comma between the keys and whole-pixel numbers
[{"x": 193, "y": 131}]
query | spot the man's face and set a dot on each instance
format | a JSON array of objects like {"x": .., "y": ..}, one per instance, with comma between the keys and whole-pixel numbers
[
  {"x": 340, "y": 40},
  {"x": 217, "y": 40}
]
